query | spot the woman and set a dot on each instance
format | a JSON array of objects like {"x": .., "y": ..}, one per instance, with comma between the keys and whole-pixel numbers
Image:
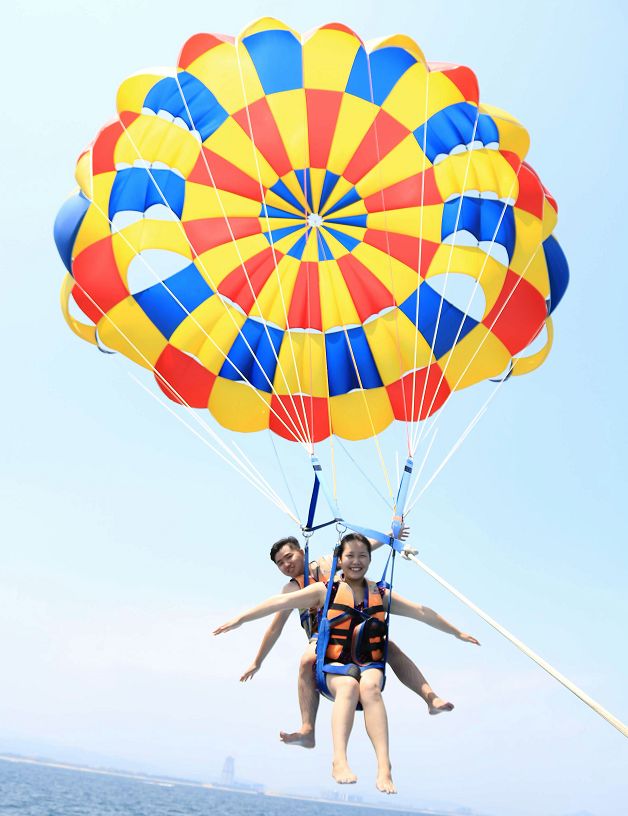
[{"x": 365, "y": 686}]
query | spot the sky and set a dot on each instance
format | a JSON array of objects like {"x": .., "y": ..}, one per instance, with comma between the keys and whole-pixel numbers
[{"x": 125, "y": 541}]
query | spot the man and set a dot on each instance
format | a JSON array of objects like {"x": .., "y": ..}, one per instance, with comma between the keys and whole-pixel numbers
[{"x": 289, "y": 557}]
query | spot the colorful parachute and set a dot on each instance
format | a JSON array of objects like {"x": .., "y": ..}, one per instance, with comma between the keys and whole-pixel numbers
[{"x": 275, "y": 228}]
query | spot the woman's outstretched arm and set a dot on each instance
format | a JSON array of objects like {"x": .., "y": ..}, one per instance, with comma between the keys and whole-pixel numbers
[
  {"x": 311, "y": 596},
  {"x": 409, "y": 609}
]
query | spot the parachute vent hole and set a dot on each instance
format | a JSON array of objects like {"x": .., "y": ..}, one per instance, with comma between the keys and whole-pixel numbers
[
  {"x": 462, "y": 291},
  {"x": 152, "y": 267}
]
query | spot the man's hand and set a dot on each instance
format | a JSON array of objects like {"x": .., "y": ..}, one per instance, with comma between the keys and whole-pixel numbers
[
  {"x": 250, "y": 672},
  {"x": 227, "y": 627},
  {"x": 468, "y": 638},
  {"x": 404, "y": 535}
]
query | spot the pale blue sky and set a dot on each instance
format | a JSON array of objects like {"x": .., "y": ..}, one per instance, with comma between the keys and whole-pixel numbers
[{"x": 124, "y": 541}]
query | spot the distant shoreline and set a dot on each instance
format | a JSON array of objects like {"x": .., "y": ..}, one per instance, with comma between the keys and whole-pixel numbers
[{"x": 167, "y": 781}]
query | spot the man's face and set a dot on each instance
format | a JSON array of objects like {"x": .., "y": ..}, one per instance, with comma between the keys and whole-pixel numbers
[{"x": 290, "y": 561}]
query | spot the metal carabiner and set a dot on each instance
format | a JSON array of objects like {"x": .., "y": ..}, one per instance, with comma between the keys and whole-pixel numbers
[{"x": 341, "y": 528}]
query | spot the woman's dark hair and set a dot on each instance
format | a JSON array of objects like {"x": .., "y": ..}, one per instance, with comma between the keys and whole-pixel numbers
[
  {"x": 291, "y": 541},
  {"x": 348, "y": 538}
]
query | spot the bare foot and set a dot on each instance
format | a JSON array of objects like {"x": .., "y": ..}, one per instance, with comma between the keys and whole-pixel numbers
[
  {"x": 384, "y": 782},
  {"x": 342, "y": 773},
  {"x": 305, "y": 739},
  {"x": 437, "y": 705}
]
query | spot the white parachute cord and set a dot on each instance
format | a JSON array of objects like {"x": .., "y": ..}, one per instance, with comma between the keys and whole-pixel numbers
[
  {"x": 158, "y": 375},
  {"x": 390, "y": 269},
  {"x": 139, "y": 254},
  {"x": 250, "y": 477},
  {"x": 242, "y": 262},
  {"x": 447, "y": 272},
  {"x": 283, "y": 474},
  {"x": 374, "y": 434},
  {"x": 304, "y": 428},
  {"x": 487, "y": 255},
  {"x": 308, "y": 231},
  {"x": 492, "y": 395},
  {"x": 482, "y": 410},
  {"x": 362, "y": 473},
  {"x": 258, "y": 472},
  {"x": 397, "y": 472},
  {"x": 434, "y": 431},
  {"x": 334, "y": 470},
  {"x": 331, "y": 435},
  {"x": 453, "y": 450},
  {"x": 294, "y": 433},
  {"x": 420, "y": 254},
  {"x": 610, "y": 718}
]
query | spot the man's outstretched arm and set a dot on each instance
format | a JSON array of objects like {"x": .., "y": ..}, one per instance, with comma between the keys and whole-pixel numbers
[{"x": 271, "y": 636}]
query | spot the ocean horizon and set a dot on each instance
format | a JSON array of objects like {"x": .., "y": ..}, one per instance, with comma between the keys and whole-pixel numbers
[{"x": 34, "y": 786}]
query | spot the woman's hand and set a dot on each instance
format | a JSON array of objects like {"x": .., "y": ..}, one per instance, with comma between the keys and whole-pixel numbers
[
  {"x": 250, "y": 672},
  {"x": 227, "y": 627},
  {"x": 468, "y": 638}
]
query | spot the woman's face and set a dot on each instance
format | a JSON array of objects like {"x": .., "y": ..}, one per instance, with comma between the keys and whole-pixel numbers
[{"x": 355, "y": 560}]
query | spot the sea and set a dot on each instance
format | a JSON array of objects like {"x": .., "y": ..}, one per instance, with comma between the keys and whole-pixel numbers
[{"x": 33, "y": 789}]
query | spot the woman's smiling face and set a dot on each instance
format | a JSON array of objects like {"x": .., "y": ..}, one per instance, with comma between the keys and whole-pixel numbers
[{"x": 355, "y": 560}]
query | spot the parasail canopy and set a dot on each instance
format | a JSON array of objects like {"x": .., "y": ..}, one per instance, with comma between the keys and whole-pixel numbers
[{"x": 311, "y": 234}]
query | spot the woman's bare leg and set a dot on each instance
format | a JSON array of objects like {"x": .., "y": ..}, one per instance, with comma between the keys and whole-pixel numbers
[
  {"x": 376, "y": 723},
  {"x": 411, "y": 676},
  {"x": 346, "y": 693},
  {"x": 308, "y": 702}
]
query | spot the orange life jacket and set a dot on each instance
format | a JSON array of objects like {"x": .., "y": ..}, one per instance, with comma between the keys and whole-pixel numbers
[{"x": 360, "y": 634}]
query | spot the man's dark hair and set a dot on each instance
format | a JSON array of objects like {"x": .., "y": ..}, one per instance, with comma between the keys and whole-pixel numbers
[
  {"x": 291, "y": 541},
  {"x": 349, "y": 537}
]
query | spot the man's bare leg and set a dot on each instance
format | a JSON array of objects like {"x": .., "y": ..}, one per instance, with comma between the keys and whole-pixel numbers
[
  {"x": 410, "y": 675},
  {"x": 308, "y": 702}
]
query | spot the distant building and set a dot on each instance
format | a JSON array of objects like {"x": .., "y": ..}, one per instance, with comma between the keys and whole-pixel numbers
[
  {"x": 228, "y": 772},
  {"x": 341, "y": 796},
  {"x": 228, "y": 779}
]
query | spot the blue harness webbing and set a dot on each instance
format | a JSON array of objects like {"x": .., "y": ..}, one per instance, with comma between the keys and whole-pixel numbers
[
  {"x": 383, "y": 538},
  {"x": 325, "y": 626},
  {"x": 324, "y": 623}
]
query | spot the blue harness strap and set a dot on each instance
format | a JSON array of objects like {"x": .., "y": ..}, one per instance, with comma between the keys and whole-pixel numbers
[
  {"x": 313, "y": 502},
  {"x": 324, "y": 632},
  {"x": 402, "y": 496},
  {"x": 392, "y": 540},
  {"x": 383, "y": 538},
  {"x": 384, "y": 584},
  {"x": 319, "y": 481}
]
